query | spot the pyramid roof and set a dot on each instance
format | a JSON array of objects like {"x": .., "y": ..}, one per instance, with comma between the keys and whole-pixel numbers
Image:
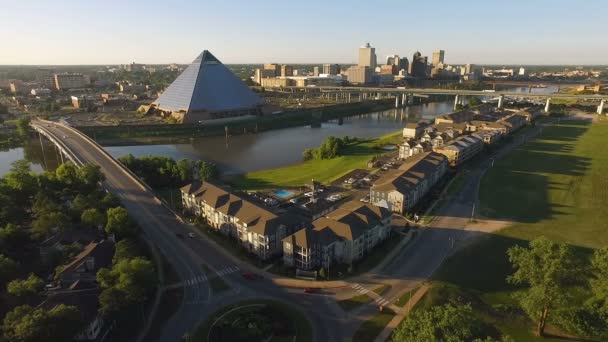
[{"x": 207, "y": 85}]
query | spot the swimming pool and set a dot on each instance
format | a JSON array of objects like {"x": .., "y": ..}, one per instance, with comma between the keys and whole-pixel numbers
[
  {"x": 389, "y": 147},
  {"x": 283, "y": 193}
]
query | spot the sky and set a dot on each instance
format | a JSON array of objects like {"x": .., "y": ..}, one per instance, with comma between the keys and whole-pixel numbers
[{"x": 53, "y": 32}]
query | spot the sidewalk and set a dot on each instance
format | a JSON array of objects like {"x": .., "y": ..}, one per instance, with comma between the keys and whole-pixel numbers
[{"x": 394, "y": 323}]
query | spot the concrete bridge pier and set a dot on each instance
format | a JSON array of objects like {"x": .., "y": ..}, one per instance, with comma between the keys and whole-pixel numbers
[
  {"x": 397, "y": 101},
  {"x": 456, "y": 101},
  {"x": 600, "y": 108},
  {"x": 411, "y": 99},
  {"x": 500, "y": 100},
  {"x": 403, "y": 99},
  {"x": 548, "y": 105}
]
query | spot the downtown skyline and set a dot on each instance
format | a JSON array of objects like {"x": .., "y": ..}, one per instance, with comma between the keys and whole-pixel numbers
[{"x": 526, "y": 33}]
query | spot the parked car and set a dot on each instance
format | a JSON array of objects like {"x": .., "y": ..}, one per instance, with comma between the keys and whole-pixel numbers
[
  {"x": 249, "y": 275},
  {"x": 311, "y": 290}
]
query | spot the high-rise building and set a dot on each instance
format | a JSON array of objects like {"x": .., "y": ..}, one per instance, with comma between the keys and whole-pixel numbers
[
  {"x": 286, "y": 70},
  {"x": 69, "y": 81},
  {"x": 261, "y": 74},
  {"x": 418, "y": 65},
  {"x": 331, "y": 69},
  {"x": 276, "y": 68},
  {"x": 359, "y": 74},
  {"x": 438, "y": 56},
  {"x": 367, "y": 56},
  {"x": 316, "y": 71}
]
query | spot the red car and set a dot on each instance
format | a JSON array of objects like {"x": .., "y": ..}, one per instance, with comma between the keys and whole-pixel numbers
[
  {"x": 311, "y": 290},
  {"x": 249, "y": 275}
]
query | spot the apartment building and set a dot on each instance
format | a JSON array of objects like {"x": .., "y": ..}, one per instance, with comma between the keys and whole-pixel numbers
[
  {"x": 461, "y": 149},
  {"x": 69, "y": 81},
  {"x": 415, "y": 130},
  {"x": 259, "y": 230},
  {"x": 403, "y": 188},
  {"x": 343, "y": 236}
]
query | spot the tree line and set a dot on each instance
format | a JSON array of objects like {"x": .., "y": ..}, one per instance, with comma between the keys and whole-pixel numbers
[
  {"x": 332, "y": 147},
  {"x": 556, "y": 285},
  {"x": 162, "y": 172}
]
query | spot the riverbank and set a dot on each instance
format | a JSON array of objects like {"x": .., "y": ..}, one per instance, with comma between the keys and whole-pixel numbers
[
  {"x": 353, "y": 157},
  {"x": 121, "y": 135}
]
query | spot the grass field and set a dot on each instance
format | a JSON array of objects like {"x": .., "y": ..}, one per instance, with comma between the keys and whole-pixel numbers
[
  {"x": 371, "y": 328},
  {"x": 554, "y": 186},
  {"x": 303, "y": 329},
  {"x": 327, "y": 170}
]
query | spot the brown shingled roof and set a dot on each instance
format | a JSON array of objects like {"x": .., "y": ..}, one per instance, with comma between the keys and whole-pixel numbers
[{"x": 410, "y": 173}]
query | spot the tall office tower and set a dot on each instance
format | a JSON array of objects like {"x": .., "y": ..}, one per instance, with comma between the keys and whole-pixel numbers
[
  {"x": 275, "y": 67},
  {"x": 315, "y": 71},
  {"x": 438, "y": 57},
  {"x": 367, "y": 56},
  {"x": 331, "y": 69},
  {"x": 286, "y": 70},
  {"x": 418, "y": 65},
  {"x": 404, "y": 64},
  {"x": 393, "y": 60}
]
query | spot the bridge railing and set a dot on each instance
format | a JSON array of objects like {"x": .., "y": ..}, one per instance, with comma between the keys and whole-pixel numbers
[
  {"x": 125, "y": 169},
  {"x": 56, "y": 140}
]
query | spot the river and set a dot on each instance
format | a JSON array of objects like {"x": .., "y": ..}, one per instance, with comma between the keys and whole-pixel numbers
[{"x": 252, "y": 152}]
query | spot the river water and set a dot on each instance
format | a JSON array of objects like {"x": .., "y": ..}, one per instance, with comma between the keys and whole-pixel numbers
[{"x": 252, "y": 152}]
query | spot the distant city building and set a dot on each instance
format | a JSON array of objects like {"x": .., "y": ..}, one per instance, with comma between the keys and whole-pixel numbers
[
  {"x": 359, "y": 74},
  {"x": 286, "y": 70},
  {"x": 263, "y": 73},
  {"x": 276, "y": 69},
  {"x": 418, "y": 65},
  {"x": 41, "y": 92},
  {"x": 331, "y": 69},
  {"x": 69, "y": 81},
  {"x": 389, "y": 69},
  {"x": 207, "y": 90},
  {"x": 367, "y": 56},
  {"x": 316, "y": 71},
  {"x": 134, "y": 67},
  {"x": 438, "y": 57}
]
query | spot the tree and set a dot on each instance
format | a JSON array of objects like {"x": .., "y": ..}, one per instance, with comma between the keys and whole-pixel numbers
[
  {"x": 126, "y": 249},
  {"x": 322, "y": 273},
  {"x": 447, "y": 323},
  {"x": 23, "y": 126},
  {"x": 118, "y": 222},
  {"x": 207, "y": 171},
  {"x": 185, "y": 169},
  {"x": 308, "y": 154},
  {"x": 474, "y": 101},
  {"x": 8, "y": 268},
  {"x": 599, "y": 285},
  {"x": 547, "y": 267},
  {"x": 110, "y": 201},
  {"x": 130, "y": 280},
  {"x": 26, "y": 324},
  {"x": 67, "y": 173},
  {"x": 25, "y": 287},
  {"x": 43, "y": 224},
  {"x": 21, "y": 178},
  {"x": 92, "y": 217},
  {"x": 90, "y": 175}
]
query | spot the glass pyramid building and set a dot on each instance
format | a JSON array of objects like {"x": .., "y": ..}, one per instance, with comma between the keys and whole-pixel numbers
[{"x": 208, "y": 90}]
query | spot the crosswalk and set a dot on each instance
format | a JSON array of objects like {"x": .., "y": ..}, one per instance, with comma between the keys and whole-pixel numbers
[
  {"x": 362, "y": 290},
  {"x": 227, "y": 270},
  {"x": 201, "y": 278}
]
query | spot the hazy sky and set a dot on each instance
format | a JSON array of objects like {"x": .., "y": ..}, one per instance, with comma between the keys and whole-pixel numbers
[{"x": 313, "y": 31}]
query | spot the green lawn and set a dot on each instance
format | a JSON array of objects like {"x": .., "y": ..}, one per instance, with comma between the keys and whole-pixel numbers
[
  {"x": 324, "y": 171},
  {"x": 554, "y": 186},
  {"x": 405, "y": 297},
  {"x": 301, "y": 323},
  {"x": 354, "y": 302},
  {"x": 372, "y": 327}
]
